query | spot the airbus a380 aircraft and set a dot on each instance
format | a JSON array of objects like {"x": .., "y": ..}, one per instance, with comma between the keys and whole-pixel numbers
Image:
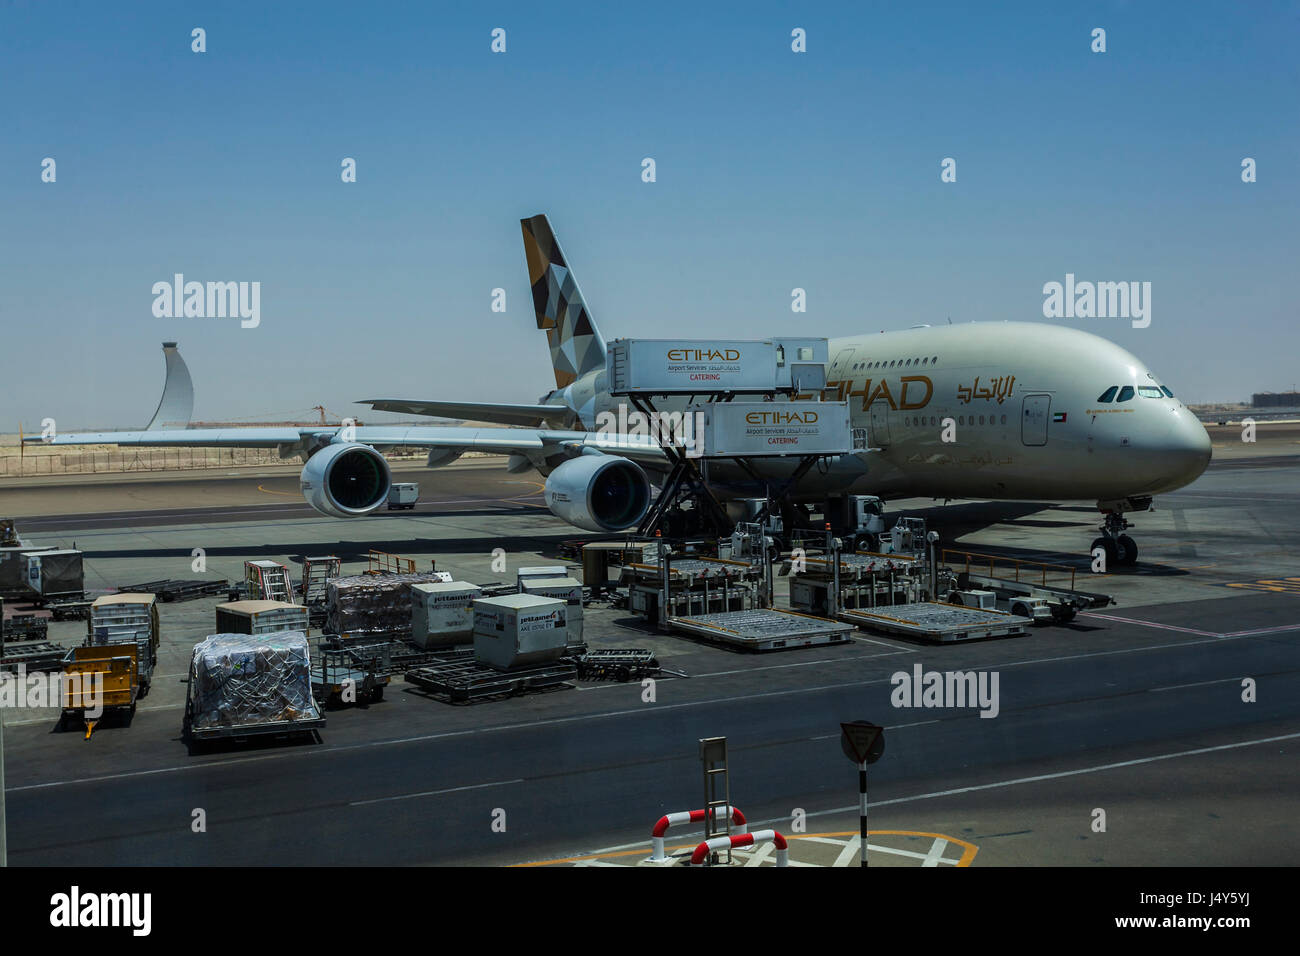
[{"x": 1038, "y": 413}]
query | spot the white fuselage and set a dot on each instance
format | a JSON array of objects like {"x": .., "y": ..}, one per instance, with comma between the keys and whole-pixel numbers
[{"x": 1005, "y": 410}]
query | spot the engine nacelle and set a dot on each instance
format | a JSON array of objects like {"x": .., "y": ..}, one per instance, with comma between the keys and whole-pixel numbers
[
  {"x": 346, "y": 480},
  {"x": 598, "y": 493}
]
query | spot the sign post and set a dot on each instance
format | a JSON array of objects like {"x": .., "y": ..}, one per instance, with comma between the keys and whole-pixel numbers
[{"x": 862, "y": 742}]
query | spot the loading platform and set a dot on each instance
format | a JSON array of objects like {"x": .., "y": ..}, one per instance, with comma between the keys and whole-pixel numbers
[
  {"x": 940, "y": 623},
  {"x": 763, "y": 629}
]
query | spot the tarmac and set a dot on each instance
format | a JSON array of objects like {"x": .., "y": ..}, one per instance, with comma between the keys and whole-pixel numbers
[{"x": 1121, "y": 739}]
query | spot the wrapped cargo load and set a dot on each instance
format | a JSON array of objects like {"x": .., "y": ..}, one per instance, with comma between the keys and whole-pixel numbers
[
  {"x": 242, "y": 683},
  {"x": 377, "y": 605}
]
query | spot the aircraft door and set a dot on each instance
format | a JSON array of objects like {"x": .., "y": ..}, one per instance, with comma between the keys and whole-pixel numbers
[
  {"x": 878, "y": 435},
  {"x": 1033, "y": 419}
]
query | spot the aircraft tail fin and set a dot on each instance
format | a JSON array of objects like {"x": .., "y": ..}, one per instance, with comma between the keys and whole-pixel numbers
[{"x": 576, "y": 344}]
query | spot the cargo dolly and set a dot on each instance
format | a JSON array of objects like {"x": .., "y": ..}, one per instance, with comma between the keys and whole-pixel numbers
[
  {"x": 178, "y": 589},
  {"x": 763, "y": 629},
  {"x": 32, "y": 655},
  {"x": 940, "y": 623},
  {"x": 621, "y": 664},
  {"x": 464, "y": 680},
  {"x": 26, "y": 627},
  {"x": 114, "y": 669},
  {"x": 1016, "y": 581},
  {"x": 365, "y": 671}
]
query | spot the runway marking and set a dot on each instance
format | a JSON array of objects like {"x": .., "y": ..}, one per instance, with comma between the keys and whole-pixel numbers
[
  {"x": 773, "y": 667},
  {"x": 1276, "y": 629},
  {"x": 1276, "y": 585},
  {"x": 918, "y": 723},
  {"x": 1199, "y": 683},
  {"x": 643, "y": 710},
  {"x": 849, "y": 840},
  {"x": 1040, "y": 777},
  {"x": 287, "y": 494},
  {"x": 434, "y": 793}
]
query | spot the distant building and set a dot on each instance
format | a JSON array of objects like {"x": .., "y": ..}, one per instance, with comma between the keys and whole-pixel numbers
[{"x": 1275, "y": 400}]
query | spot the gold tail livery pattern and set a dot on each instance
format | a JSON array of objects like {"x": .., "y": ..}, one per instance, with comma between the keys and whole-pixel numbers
[{"x": 576, "y": 344}]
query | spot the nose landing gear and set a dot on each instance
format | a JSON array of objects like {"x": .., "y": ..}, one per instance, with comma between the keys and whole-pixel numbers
[{"x": 1119, "y": 548}]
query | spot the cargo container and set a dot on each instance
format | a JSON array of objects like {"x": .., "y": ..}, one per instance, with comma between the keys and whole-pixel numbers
[
  {"x": 516, "y": 630},
  {"x": 127, "y": 618},
  {"x": 765, "y": 429},
  {"x": 260, "y": 617},
  {"x": 698, "y": 366},
  {"x": 242, "y": 684},
  {"x": 443, "y": 613},
  {"x": 540, "y": 571},
  {"x": 13, "y": 570},
  {"x": 403, "y": 494},
  {"x": 55, "y": 573},
  {"x": 566, "y": 589}
]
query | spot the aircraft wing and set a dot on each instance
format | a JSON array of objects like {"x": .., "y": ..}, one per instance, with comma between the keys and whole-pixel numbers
[
  {"x": 534, "y": 416},
  {"x": 304, "y": 440}
]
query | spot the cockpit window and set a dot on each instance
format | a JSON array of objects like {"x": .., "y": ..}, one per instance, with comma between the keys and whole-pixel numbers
[
  {"x": 1149, "y": 391},
  {"x": 1168, "y": 394},
  {"x": 1108, "y": 395},
  {"x": 1125, "y": 393}
]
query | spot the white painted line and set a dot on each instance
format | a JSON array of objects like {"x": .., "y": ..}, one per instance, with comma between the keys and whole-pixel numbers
[
  {"x": 642, "y": 710},
  {"x": 918, "y": 723},
  {"x": 936, "y": 853},
  {"x": 434, "y": 793},
  {"x": 1203, "y": 683},
  {"x": 1041, "y": 777},
  {"x": 852, "y": 851},
  {"x": 777, "y": 667},
  {"x": 761, "y": 854}
]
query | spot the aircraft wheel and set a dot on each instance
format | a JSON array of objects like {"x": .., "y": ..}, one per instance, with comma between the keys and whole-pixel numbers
[
  {"x": 1130, "y": 547},
  {"x": 1109, "y": 548}
]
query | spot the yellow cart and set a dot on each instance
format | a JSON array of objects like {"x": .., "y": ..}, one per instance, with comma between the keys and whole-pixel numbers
[{"x": 114, "y": 668}]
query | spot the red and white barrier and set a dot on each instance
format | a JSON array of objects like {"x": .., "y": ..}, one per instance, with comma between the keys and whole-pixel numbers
[
  {"x": 688, "y": 816},
  {"x": 742, "y": 840}
]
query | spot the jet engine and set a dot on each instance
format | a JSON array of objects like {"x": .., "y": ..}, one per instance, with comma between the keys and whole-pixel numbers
[
  {"x": 598, "y": 492},
  {"x": 346, "y": 480}
]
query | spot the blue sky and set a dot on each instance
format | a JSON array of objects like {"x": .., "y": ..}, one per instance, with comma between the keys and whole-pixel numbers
[{"x": 775, "y": 170}]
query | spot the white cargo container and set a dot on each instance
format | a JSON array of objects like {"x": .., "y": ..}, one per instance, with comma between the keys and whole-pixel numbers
[
  {"x": 519, "y": 629},
  {"x": 403, "y": 494},
  {"x": 685, "y": 366},
  {"x": 566, "y": 589},
  {"x": 260, "y": 617},
  {"x": 443, "y": 613},
  {"x": 758, "y": 429},
  {"x": 540, "y": 571}
]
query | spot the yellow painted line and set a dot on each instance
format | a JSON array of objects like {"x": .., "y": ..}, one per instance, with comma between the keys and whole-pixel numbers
[
  {"x": 287, "y": 494},
  {"x": 968, "y": 853}
]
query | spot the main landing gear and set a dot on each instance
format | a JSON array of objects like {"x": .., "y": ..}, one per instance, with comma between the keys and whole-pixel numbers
[{"x": 1121, "y": 551}]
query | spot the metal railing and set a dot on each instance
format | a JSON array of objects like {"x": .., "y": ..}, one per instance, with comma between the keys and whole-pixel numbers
[{"x": 1026, "y": 572}]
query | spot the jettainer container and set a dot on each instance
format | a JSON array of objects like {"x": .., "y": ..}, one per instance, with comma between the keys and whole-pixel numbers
[
  {"x": 700, "y": 366},
  {"x": 442, "y": 613},
  {"x": 562, "y": 588},
  {"x": 516, "y": 630}
]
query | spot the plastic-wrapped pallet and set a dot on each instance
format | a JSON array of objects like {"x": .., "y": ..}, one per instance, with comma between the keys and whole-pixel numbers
[
  {"x": 239, "y": 680},
  {"x": 374, "y": 604}
]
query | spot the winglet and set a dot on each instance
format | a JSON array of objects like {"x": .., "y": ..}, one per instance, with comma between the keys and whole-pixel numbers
[{"x": 177, "y": 402}]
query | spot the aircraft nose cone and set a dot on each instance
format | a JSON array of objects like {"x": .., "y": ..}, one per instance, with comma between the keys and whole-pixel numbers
[{"x": 1185, "y": 452}]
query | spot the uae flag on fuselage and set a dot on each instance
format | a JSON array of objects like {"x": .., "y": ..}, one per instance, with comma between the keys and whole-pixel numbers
[{"x": 1058, "y": 418}]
